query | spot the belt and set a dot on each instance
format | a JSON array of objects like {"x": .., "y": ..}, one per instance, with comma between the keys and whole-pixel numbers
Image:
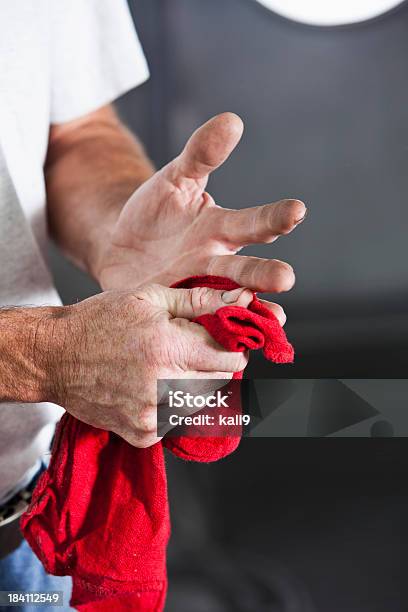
[{"x": 10, "y": 513}]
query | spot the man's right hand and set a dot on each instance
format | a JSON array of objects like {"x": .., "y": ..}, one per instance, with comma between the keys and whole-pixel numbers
[{"x": 103, "y": 356}]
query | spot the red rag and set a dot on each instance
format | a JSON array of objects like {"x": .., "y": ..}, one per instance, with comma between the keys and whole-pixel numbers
[
  {"x": 100, "y": 512},
  {"x": 236, "y": 329}
]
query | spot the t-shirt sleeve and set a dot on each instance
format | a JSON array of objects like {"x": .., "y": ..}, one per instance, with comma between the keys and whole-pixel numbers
[{"x": 95, "y": 56}]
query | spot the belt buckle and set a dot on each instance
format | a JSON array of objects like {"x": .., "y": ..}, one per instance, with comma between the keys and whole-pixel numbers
[{"x": 13, "y": 509}]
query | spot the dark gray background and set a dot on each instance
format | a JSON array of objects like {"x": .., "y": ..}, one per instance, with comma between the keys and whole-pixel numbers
[{"x": 326, "y": 114}]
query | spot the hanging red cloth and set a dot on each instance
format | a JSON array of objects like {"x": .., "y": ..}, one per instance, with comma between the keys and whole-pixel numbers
[{"x": 100, "y": 512}]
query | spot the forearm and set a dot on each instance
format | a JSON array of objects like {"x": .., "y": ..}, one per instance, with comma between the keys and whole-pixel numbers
[
  {"x": 27, "y": 346},
  {"x": 93, "y": 167}
]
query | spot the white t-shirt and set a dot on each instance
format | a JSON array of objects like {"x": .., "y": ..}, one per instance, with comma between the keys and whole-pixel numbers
[{"x": 59, "y": 59}]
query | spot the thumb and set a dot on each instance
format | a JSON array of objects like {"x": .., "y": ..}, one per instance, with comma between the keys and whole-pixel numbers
[
  {"x": 192, "y": 303},
  {"x": 210, "y": 146}
]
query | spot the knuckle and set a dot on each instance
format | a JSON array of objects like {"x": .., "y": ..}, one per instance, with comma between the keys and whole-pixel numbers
[
  {"x": 127, "y": 300},
  {"x": 264, "y": 214},
  {"x": 200, "y": 298},
  {"x": 147, "y": 421},
  {"x": 145, "y": 292},
  {"x": 131, "y": 302}
]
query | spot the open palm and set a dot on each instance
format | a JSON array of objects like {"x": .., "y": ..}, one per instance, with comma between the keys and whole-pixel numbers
[{"x": 171, "y": 227}]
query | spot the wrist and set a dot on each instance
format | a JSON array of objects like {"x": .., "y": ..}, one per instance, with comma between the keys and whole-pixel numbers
[
  {"x": 48, "y": 339},
  {"x": 28, "y": 346},
  {"x": 54, "y": 342}
]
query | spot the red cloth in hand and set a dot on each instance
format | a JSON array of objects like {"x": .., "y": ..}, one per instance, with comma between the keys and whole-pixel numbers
[
  {"x": 237, "y": 329},
  {"x": 100, "y": 511}
]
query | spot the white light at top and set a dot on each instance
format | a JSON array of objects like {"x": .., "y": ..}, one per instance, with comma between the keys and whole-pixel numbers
[{"x": 330, "y": 12}]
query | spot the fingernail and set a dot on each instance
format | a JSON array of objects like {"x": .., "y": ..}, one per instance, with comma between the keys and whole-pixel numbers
[
  {"x": 302, "y": 218},
  {"x": 229, "y": 297}
]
